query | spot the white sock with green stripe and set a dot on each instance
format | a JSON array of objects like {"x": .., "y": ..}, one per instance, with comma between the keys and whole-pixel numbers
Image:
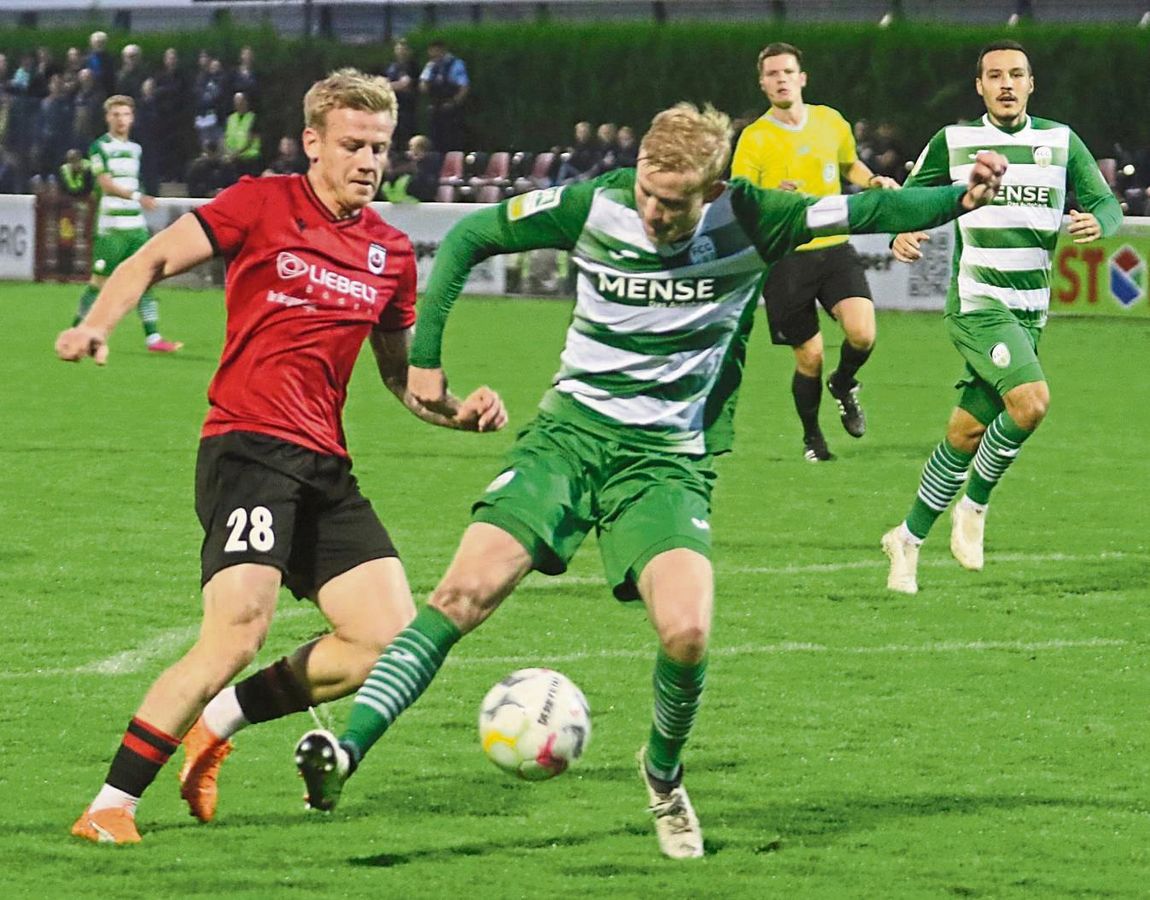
[
  {"x": 942, "y": 479},
  {"x": 401, "y": 675},
  {"x": 996, "y": 451}
]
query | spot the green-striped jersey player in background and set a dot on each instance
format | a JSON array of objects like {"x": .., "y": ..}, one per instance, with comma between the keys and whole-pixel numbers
[
  {"x": 120, "y": 227},
  {"x": 670, "y": 261},
  {"x": 998, "y": 299}
]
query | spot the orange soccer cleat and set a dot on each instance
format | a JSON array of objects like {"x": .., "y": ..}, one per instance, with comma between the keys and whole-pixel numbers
[
  {"x": 111, "y": 825},
  {"x": 203, "y": 754}
]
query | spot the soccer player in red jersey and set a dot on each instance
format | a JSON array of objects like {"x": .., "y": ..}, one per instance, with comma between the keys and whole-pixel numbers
[{"x": 312, "y": 272}]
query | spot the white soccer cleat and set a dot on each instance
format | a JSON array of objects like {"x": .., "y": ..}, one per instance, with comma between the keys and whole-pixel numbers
[
  {"x": 967, "y": 526},
  {"x": 324, "y": 766},
  {"x": 903, "y": 554},
  {"x": 676, "y": 824}
]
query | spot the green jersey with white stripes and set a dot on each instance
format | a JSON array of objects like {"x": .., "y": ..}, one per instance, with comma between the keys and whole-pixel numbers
[
  {"x": 121, "y": 160},
  {"x": 1004, "y": 252},
  {"x": 655, "y": 350}
]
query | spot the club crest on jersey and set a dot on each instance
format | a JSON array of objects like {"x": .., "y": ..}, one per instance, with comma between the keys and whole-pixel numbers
[
  {"x": 830, "y": 173},
  {"x": 702, "y": 250},
  {"x": 1000, "y": 355},
  {"x": 1043, "y": 157},
  {"x": 376, "y": 259}
]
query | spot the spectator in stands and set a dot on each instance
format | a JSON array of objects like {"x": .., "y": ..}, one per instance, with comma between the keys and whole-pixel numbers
[
  {"x": 145, "y": 131},
  {"x": 444, "y": 80},
  {"x": 99, "y": 63},
  {"x": 626, "y": 148},
  {"x": 244, "y": 78},
  {"x": 242, "y": 144},
  {"x": 173, "y": 101},
  {"x": 403, "y": 73},
  {"x": 46, "y": 67},
  {"x": 75, "y": 176},
  {"x": 583, "y": 158},
  {"x": 73, "y": 63},
  {"x": 605, "y": 137},
  {"x": 289, "y": 160},
  {"x": 23, "y": 111},
  {"x": 211, "y": 105},
  {"x": 11, "y": 179},
  {"x": 87, "y": 110},
  {"x": 210, "y": 172},
  {"x": 54, "y": 131},
  {"x": 130, "y": 78},
  {"x": 418, "y": 172},
  {"x": 889, "y": 160}
]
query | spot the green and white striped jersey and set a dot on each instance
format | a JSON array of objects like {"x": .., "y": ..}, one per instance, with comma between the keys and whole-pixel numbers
[
  {"x": 121, "y": 160},
  {"x": 656, "y": 345},
  {"x": 1004, "y": 252}
]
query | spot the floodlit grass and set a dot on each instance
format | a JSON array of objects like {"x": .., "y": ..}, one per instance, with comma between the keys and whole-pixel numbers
[{"x": 987, "y": 738}]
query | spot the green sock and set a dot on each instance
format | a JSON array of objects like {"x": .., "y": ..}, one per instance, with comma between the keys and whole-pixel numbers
[
  {"x": 942, "y": 479},
  {"x": 86, "y": 300},
  {"x": 997, "y": 450},
  {"x": 149, "y": 311},
  {"x": 401, "y": 675},
  {"x": 678, "y": 692}
]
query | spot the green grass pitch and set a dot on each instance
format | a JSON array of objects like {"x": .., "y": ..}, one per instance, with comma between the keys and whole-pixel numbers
[{"x": 987, "y": 738}]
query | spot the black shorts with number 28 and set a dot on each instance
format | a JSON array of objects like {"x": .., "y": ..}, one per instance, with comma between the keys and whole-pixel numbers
[
  {"x": 263, "y": 500},
  {"x": 796, "y": 281}
]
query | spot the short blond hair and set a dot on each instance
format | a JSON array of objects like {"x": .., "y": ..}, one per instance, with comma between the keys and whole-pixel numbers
[
  {"x": 347, "y": 89},
  {"x": 686, "y": 139},
  {"x": 119, "y": 100}
]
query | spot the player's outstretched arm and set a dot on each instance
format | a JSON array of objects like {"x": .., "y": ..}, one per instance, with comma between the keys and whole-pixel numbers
[
  {"x": 177, "y": 248},
  {"x": 424, "y": 391}
]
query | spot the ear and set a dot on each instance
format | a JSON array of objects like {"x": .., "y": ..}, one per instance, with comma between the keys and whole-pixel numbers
[
  {"x": 978, "y": 86},
  {"x": 711, "y": 194},
  {"x": 310, "y": 139},
  {"x": 802, "y": 79}
]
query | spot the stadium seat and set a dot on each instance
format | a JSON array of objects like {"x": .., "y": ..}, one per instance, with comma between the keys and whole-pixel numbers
[
  {"x": 451, "y": 172},
  {"x": 489, "y": 193},
  {"x": 446, "y": 193},
  {"x": 540, "y": 174},
  {"x": 1108, "y": 166},
  {"x": 494, "y": 174}
]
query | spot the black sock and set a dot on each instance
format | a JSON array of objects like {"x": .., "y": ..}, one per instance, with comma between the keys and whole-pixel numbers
[
  {"x": 851, "y": 359},
  {"x": 272, "y": 693},
  {"x": 143, "y": 752},
  {"x": 808, "y": 392}
]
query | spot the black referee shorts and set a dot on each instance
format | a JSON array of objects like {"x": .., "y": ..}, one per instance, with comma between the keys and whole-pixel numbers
[
  {"x": 263, "y": 500},
  {"x": 800, "y": 279}
]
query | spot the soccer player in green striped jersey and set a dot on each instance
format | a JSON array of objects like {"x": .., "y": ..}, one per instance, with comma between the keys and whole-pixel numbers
[
  {"x": 998, "y": 299},
  {"x": 670, "y": 264},
  {"x": 120, "y": 227}
]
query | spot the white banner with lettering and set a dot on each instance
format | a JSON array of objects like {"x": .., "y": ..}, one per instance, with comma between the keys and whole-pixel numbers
[{"x": 17, "y": 237}]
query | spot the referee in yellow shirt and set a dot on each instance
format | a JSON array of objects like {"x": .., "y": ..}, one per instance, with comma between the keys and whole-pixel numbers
[{"x": 796, "y": 146}]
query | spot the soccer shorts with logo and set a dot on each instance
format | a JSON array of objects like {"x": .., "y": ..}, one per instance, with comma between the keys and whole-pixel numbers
[
  {"x": 263, "y": 500},
  {"x": 112, "y": 247},
  {"x": 796, "y": 281},
  {"x": 561, "y": 481},
  {"x": 1001, "y": 352}
]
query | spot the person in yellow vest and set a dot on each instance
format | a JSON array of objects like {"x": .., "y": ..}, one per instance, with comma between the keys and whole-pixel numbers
[
  {"x": 797, "y": 146},
  {"x": 75, "y": 176},
  {"x": 242, "y": 137}
]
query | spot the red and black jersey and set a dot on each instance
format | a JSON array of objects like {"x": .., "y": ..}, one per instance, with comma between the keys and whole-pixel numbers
[{"x": 303, "y": 291}]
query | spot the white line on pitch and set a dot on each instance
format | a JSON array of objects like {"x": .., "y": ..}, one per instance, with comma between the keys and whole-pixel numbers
[
  {"x": 545, "y": 581},
  {"x": 798, "y": 647},
  {"x": 128, "y": 662}
]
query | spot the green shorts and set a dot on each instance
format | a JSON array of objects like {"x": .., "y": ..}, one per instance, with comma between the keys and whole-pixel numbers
[
  {"x": 560, "y": 482},
  {"x": 1001, "y": 352},
  {"x": 113, "y": 247}
]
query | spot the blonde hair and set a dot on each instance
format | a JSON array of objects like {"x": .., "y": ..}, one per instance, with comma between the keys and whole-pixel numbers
[
  {"x": 119, "y": 100},
  {"x": 686, "y": 139},
  {"x": 347, "y": 89}
]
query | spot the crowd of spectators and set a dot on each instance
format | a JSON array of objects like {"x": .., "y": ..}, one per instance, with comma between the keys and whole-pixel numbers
[
  {"x": 202, "y": 131},
  {"x": 49, "y": 107}
]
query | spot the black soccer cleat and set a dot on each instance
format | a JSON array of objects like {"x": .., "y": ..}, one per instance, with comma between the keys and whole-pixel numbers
[
  {"x": 850, "y": 410},
  {"x": 815, "y": 449}
]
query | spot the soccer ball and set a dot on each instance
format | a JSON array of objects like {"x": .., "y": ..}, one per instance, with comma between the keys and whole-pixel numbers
[{"x": 534, "y": 724}]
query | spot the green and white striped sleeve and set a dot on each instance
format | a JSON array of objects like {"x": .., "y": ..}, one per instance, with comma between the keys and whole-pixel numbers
[{"x": 1094, "y": 194}]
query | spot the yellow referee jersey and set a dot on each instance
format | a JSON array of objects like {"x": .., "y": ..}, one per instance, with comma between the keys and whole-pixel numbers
[{"x": 813, "y": 154}]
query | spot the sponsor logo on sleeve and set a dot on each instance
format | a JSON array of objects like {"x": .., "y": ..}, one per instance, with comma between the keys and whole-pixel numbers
[{"x": 525, "y": 205}]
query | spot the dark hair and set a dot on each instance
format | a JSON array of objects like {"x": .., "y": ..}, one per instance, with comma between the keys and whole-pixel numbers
[
  {"x": 1001, "y": 45},
  {"x": 779, "y": 48}
]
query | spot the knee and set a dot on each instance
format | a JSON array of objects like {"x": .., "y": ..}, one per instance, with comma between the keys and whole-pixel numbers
[
  {"x": 1029, "y": 411},
  {"x": 465, "y": 600},
  {"x": 685, "y": 641},
  {"x": 809, "y": 361}
]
